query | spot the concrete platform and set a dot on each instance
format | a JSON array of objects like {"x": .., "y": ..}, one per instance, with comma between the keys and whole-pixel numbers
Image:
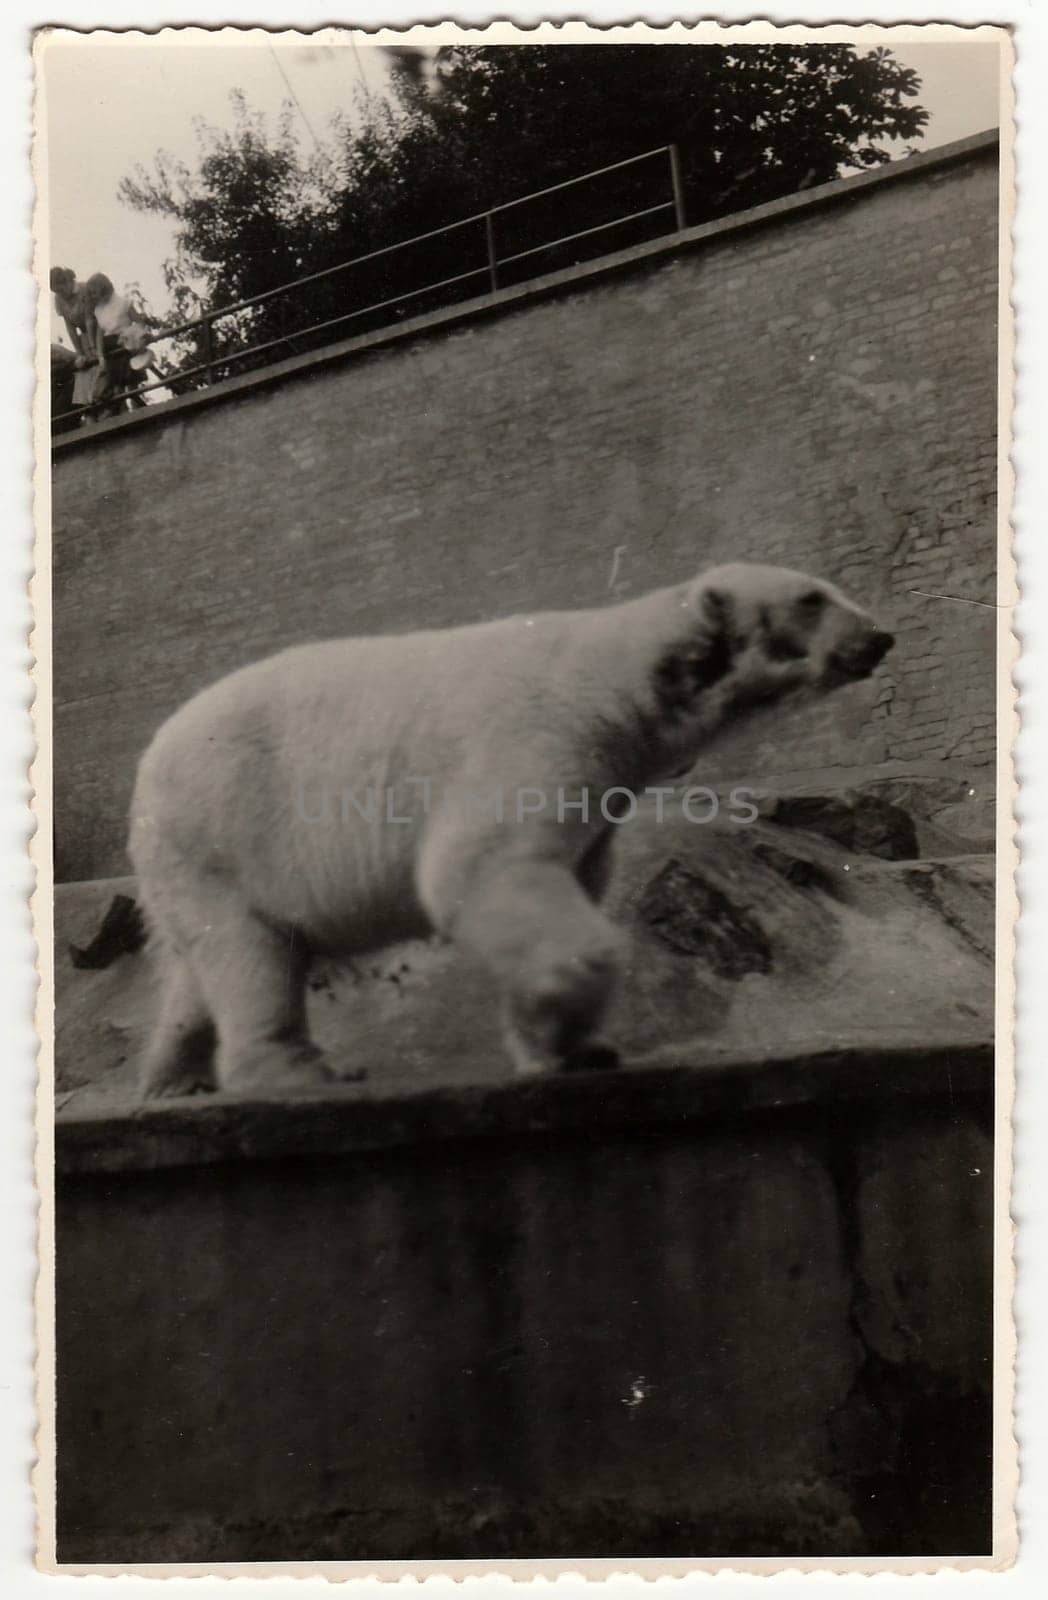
[{"x": 732, "y": 1299}]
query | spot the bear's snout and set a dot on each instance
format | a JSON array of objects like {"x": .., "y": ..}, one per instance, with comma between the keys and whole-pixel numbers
[{"x": 858, "y": 656}]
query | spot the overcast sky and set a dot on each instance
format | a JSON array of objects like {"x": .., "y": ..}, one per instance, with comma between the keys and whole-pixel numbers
[{"x": 110, "y": 108}]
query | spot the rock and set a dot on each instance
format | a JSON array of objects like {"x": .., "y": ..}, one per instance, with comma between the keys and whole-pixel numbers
[
  {"x": 949, "y": 814},
  {"x": 857, "y": 820},
  {"x": 749, "y": 942},
  {"x": 122, "y": 932},
  {"x": 692, "y": 916}
]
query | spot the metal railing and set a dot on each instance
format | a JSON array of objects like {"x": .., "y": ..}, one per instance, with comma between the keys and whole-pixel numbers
[{"x": 498, "y": 267}]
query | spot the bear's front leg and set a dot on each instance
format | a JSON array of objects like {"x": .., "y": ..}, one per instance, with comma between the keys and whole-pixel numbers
[
  {"x": 549, "y": 1025},
  {"x": 553, "y": 954}
]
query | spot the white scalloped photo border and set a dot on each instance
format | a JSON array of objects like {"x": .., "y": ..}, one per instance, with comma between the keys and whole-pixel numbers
[{"x": 564, "y": 28}]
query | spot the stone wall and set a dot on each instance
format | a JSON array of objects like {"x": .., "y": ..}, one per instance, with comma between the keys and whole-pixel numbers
[
  {"x": 813, "y": 385},
  {"x": 564, "y": 1317}
]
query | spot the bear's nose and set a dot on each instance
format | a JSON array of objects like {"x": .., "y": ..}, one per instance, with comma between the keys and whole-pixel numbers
[
  {"x": 860, "y": 657},
  {"x": 875, "y": 648}
]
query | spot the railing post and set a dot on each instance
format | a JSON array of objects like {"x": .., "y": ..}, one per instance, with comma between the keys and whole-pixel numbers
[
  {"x": 208, "y": 347},
  {"x": 489, "y": 230},
  {"x": 678, "y": 191}
]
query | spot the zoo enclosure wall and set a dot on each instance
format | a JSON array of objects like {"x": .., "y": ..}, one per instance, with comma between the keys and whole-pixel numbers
[
  {"x": 813, "y": 383},
  {"x": 638, "y": 198},
  {"x": 689, "y": 1313}
]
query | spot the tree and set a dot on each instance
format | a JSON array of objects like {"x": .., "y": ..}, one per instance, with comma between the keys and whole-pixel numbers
[{"x": 751, "y": 123}]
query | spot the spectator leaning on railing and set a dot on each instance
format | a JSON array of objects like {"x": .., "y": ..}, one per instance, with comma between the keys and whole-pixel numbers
[
  {"x": 121, "y": 338},
  {"x": 110, "y": 340},
  {"x": 72, "y": 306}
]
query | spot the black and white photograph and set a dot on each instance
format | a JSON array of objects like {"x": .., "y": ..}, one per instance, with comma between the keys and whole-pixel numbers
[{"x": 523, "y": 596}]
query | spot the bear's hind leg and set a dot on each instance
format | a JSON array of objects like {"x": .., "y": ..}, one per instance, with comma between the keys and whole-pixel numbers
[
  {"x": 261, "y": 1012},
  {"x": 179, "y": 1058},
  {"x": 252, "y": 975}
]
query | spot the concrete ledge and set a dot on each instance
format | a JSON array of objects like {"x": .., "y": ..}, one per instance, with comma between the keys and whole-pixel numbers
[
  {"x": 211, "y": 1129},
  {"x": 575, "y": 1318},
  {"x": 788, "y": 207}
]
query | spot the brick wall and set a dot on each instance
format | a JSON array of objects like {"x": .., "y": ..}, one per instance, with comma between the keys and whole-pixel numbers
[{"x": 818, "y": 390}]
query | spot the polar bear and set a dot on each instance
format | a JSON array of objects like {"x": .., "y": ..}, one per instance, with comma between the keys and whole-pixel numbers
[{"x": 342, "y": 795}]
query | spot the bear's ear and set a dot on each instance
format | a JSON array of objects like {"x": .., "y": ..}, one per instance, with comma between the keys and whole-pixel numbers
[
  {"x": 714, "y": 646},
  {"x": 715, "y": 612},
  {"x": 699, "y": 660}
]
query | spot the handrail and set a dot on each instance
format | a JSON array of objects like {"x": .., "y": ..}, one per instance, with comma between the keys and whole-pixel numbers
[
  {"x": 341, "y": 266},
  {"x": 598, "y": 172},
  {"x": 492, "y": 262},
  {"x": 584, "y": 233}
]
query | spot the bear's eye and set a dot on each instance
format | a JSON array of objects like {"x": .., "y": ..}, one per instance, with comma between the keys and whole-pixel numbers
[
  {"x": 780, "y": 643},
  {"x": 781, "y": 646},
  {"x": 813, "y": 601}
]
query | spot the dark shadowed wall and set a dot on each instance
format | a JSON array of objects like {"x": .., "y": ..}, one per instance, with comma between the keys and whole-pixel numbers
[
  {"x": 616, "y": 1322},
  {"x": 815, "y": 387}
]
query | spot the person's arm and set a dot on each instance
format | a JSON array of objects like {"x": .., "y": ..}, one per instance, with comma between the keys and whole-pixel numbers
[
  {"x": 75, "y": 339},
  {"x": 95, "y": 339}
]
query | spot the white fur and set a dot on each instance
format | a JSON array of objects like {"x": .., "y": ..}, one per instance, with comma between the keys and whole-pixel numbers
[{"x": 243, "y": 877}]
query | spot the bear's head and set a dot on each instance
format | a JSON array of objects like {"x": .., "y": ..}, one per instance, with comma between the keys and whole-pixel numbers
[{"x": 753, "y": 636}]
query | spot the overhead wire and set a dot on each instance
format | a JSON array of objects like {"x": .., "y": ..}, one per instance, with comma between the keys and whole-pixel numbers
[
  {"x": 301, "y": 111},
  {"x": 359, "y": 65},
  {"x": 291, "y": 91}
]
